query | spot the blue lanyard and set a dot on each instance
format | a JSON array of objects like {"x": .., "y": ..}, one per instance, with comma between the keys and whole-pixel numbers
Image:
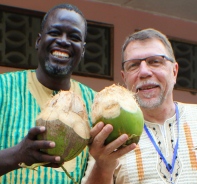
[{"x": 169, "y": 167}]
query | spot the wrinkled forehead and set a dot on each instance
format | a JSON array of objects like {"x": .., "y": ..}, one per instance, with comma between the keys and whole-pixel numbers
[{"x": 144, "y": 48}]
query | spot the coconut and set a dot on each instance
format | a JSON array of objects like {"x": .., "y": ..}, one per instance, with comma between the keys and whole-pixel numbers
[
  {"x": 116, "y": 105},
  {"x": 66, "y": 122}
]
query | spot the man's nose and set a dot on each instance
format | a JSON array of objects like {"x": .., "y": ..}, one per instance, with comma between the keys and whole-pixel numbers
[
  {"x": 63, "y": 40},
  {"x": 144, "y": 69}
]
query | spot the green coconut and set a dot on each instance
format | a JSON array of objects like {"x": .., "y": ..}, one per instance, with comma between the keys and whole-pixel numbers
[
  {"x": 66, "y": 123},
  {"x": 116, "y": 105}
]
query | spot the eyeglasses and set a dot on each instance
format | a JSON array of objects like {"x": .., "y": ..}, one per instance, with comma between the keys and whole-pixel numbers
[{"x": 132, "y": 65}]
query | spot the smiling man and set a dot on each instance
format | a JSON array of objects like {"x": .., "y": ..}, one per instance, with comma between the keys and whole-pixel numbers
[
  {"x": 150, "y": 71},
  {"x": 166, "y": 153},
  {"x": 60, "y": 46}
]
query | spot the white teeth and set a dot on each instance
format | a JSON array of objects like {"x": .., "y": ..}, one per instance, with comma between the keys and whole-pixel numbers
[
  {"x": 149, "y": 87},
  {"x": 146, "y": 88},
  {"x": 146, "y": 85},
  {"x": 59, "y": 54}
]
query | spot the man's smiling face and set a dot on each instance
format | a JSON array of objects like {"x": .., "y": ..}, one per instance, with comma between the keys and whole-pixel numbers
[
  {"x": 151, "y": 86},
  {"x": 61, "y": 43}
]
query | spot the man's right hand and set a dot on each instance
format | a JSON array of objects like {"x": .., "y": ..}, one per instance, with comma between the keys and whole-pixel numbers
[
  {"x": 106, "y": 156},
  {"x": 28, "y": 152}
]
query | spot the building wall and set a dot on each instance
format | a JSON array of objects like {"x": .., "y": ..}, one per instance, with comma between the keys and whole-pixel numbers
[{"x": 125, "y": 21}]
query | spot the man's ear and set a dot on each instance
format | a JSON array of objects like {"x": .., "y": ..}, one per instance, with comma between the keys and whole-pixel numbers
[
  {"x": 175, "y": 69},
  {"x": 123, "y": 76},
  {"x": 38, "y": 41},
  {"x": 83, "y": 52}
]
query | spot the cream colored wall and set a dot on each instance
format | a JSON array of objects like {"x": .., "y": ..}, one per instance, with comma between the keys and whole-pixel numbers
[{"x": 125, "y": 21}]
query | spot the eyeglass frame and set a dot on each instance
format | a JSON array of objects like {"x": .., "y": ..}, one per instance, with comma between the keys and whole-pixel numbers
[{"x": 144, "y": 59}]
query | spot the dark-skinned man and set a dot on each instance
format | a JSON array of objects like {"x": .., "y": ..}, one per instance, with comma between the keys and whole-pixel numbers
[{"x": 23, "y": 94}]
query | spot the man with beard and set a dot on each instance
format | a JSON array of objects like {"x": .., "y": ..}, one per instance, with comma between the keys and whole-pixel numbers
[
  {"x": 23, "y": 94},
  {"x": 166, "y": 152}
]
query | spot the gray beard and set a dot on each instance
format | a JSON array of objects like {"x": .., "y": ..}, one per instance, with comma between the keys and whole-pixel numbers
[
  {"x": 156, "y": 102},
  {"x": 152, "y": 103}
]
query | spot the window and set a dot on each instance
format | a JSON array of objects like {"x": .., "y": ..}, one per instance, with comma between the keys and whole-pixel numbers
[
  {"x": 186, "y": 56},
  {"x": 18, "y": 33}
]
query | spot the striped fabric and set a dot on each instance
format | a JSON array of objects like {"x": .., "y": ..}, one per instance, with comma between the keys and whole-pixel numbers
[
  {"x": 144, "y": 166},
  {"x": 18, "y": 111}
]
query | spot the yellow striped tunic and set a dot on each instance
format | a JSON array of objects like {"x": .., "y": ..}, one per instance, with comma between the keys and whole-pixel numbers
[{"x": 20, "y": 103}]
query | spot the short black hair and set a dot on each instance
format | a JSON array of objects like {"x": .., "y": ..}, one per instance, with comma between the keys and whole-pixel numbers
[{"x": 67, "y": 7}]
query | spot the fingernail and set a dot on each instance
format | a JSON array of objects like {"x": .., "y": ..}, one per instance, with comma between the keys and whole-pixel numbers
[
  {"x": 57, "y": 159},
  {"x": 100, "y": 125},
  {"x": 124, "y": 137},
  {"x": 52, "y": 144},
  {"x": 42, "y": 128}
]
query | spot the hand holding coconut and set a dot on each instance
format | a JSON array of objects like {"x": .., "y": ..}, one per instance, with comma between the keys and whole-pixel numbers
[
  {"x": 117, "y": 134},
  {"x": 106, "y": 156},
  {"x": 28, "y": 151},
  {"x": 66, "y": 122},
  {"x": 116, "y": 105}
]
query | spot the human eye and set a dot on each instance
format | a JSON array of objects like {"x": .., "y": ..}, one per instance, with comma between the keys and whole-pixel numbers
[
  {"x": 132, "y": 65},
  {"x": 75, "y": 37},
  {"x": 155, "y": 61},
  {"x": 53, "y": 33}
]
